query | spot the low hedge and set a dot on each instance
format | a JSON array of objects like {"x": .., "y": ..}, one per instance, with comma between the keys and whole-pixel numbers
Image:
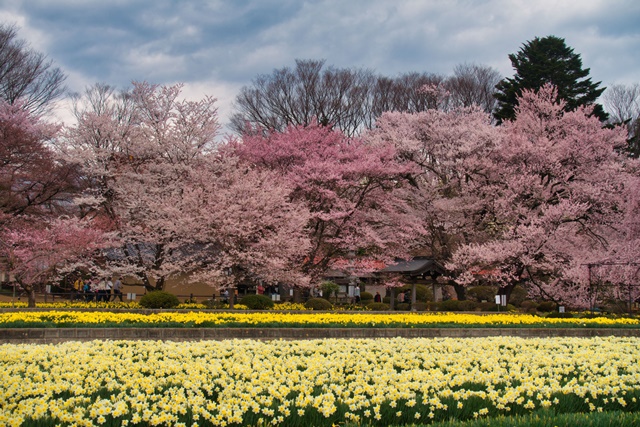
[
  {"x": 318, "y": 304},
  {"x": 366, "y": 296},
  {"x": 378, "y": 306},
  {"x": 257, "y": 302},
  {"x": 159, "y": 299}
]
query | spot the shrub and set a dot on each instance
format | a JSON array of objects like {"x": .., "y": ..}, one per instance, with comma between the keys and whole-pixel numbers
[
  {"x": 518, "y": 296},
  {"x": 547, "y": 306},
  {"x": 487, "y": 306},
  {"x": 403, "y": 306},
  {"x": 482, "y": 293},
  {"x": 350, "y": 307},
  {"x": 467, "y": 305},
  {"x": 378, "y": 306},
  {"x": 159, "y": 299},
  {"x": 257, "y": 302},
  {"x": 330, "y": 288},
  {"x": 421, "y": 306},
  {"x": 557, "y": 315},
  {"x": 423, "y": 293},
  {"x": 318, "y": 304},
  {"x": 529, "y": 306},
  {"x": 212, "y": 303},
  {"x": 456, "y": 305},
  {"x": 366, "y": 296},
  {"x": 386, "y": 300},
  {"x": 615, "y": 307}
]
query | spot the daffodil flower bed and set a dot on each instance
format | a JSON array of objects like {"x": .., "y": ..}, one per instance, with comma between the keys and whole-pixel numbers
[
  {"x": 316, "y": 382},
  {"x": 270, "y": 319}
]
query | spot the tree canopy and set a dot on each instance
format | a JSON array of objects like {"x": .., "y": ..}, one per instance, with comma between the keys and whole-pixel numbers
[
  {"x": 351, "y": 99},
  {"x": 530, "y": 202},
  {"x": 177, "y": 205},
  {"x": 27, "y": 76}
]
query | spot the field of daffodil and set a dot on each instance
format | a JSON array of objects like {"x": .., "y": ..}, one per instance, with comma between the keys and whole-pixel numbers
[
  {"x": 316, "y": 382},
  {"x": 186, "y": 318}
]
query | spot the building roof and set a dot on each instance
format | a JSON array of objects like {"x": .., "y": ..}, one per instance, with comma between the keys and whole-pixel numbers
[{"x": 417, "y": 266}]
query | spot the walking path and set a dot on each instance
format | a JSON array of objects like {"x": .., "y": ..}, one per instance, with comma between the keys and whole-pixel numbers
[{"x": 56, "y": 335}]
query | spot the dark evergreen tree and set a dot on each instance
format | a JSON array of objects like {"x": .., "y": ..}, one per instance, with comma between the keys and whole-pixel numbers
[{"x": 548, "y": 60}]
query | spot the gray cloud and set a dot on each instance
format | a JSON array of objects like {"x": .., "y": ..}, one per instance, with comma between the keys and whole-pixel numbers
[{"x": 222, "y": 45}]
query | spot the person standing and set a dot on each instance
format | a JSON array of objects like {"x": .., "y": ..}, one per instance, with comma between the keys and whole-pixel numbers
[
  {"x": 117, "y": 289},
  {"x": 101, "y": 290},
  {"x": 377, "y": 298},
  {"x": 78, "y": 286},
  {"x": 108, "y": 290},
  {"x": 356, "y": 293},
  {"x": 91, "y": 286},
  {"x": 86, "y": 290}
]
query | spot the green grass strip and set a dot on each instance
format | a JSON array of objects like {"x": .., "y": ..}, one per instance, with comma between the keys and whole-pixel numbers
[{"x": 544, "y": 419}]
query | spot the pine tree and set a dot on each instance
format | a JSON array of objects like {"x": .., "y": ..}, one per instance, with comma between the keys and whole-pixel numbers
[{"x": 548, "y": 60}]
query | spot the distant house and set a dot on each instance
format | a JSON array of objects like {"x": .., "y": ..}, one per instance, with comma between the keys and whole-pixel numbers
[
  {"x": 423, "y": 270},
  {"x": 417, "y": 268}
]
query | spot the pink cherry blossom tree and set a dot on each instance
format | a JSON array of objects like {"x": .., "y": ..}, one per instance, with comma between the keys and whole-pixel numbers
[
  {"x": 349, "y": 187},
  {"x": 562, "y": 191},
  {"x": 32, "y": 180},
  {"x": 39, "y": 253},
  {"x": 530, "y": 202},
  {"x": 136, "y": 149},
  {"x": 454, "y": 183},
  {"x": 178, "y": 206},
  {"x": 243, "y": 225}
]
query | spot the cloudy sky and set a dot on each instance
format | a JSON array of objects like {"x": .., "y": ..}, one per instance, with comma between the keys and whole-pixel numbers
[{"x": 217, "y": 46}]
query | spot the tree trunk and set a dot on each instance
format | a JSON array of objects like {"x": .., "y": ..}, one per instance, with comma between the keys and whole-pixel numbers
[
  {"x": 506, "y": 290},
  {"x": 31, "y": 297},
  {"x": 160, "y": 283},
  {"x": 413, "y": 295},
  {"x": 297, "y": 295},
  {"x": 460, "y": 291},
  {"x": 392, "y": 301}
]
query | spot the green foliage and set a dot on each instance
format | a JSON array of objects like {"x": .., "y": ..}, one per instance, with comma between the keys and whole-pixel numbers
[
  {"x": 318, "y": 304},
  {"x": 420, "y": 306},
  {"x": 403, "y": 306},
  {"x": 406, "y": 306},
  {"x": 214, "y": 304},
  {"x": 330, "y": 288},
  {"x": 257, "y": 302},
  {"x": 482, "y": 293},
  {"x": 615, "y": 306},
  {"x": 529, "y": 306},
  {"x": 547, "y": 306},
  {"x": 423, "y": 293},
  {"x": 545, "y": 419},
  {"x": 518, "y": 296},
  {"x": 487, "y": 306},
  {"x": 558, "y": 315},
  {"x": 159, "y": 299},
  {"x": 366, "y": 296},
  {"x": 456, "y": 305},
  {"x": 378, "y": 306},
  {"x": 547, "y": 60}
]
